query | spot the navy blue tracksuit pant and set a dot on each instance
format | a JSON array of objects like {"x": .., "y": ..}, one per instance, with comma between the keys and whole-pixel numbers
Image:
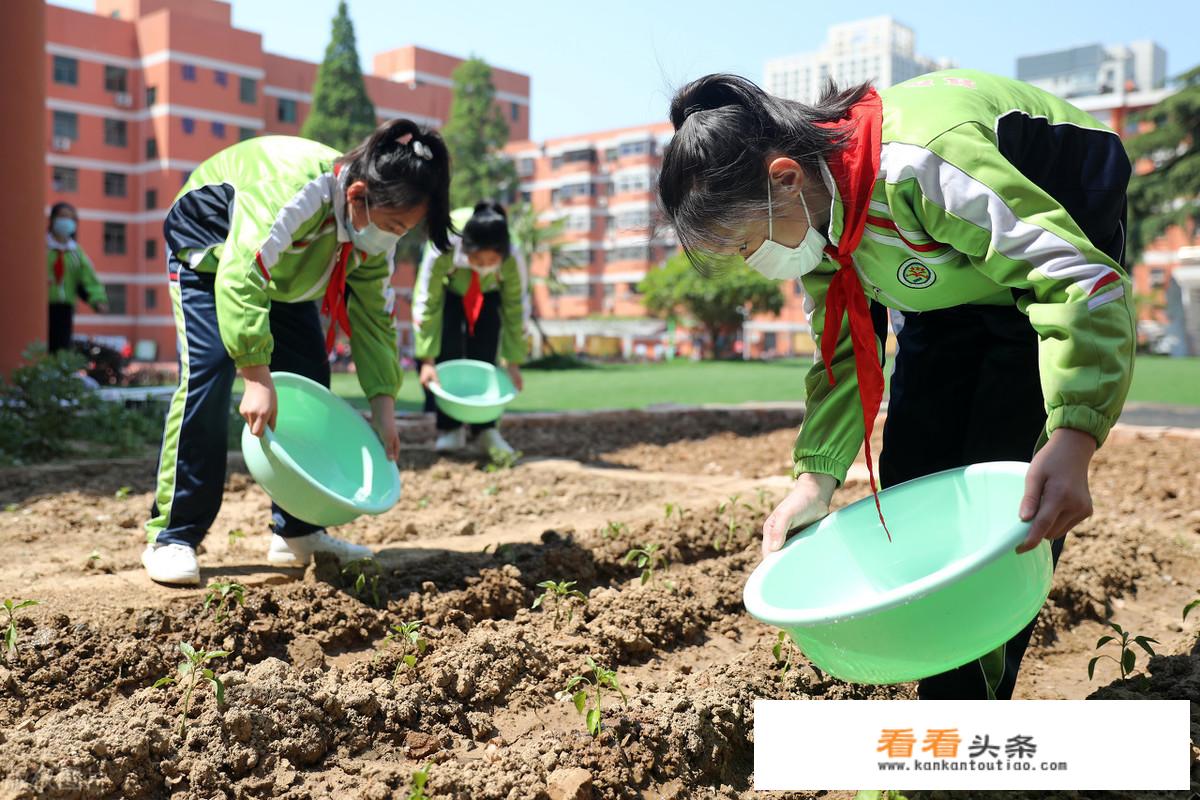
[{"x": 191, "y": 475}]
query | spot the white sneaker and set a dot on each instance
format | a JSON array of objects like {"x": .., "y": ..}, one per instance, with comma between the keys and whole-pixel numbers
[
  {"x": 171, "y": 563},
  {"x": 489, "y": 439},
  {"x": 296, "y": 551},
  {"x": 451, "y": 440}
]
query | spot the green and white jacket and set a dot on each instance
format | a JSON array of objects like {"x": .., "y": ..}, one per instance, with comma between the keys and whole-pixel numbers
[
  {"x": 71, "y": 274},
  {"x": 984, "y": 190},
  {"x": 267, "y": 216},
  {"x": 445, "y": 277}
]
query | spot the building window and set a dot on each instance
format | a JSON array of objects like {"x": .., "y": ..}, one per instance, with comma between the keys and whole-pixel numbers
[
  {"x": 66, "y": 71},
  {"x": 152, "y": 148},
  {"x": 634, "y": 148},
  {"x": 567, "y": 259},
  {"x": 634, "y": 253},
  {"x": 612, "y": 154},
  {"x": 525, "y": 167},
  {"x": 116, "y": 294},
  {"x": 248, "y": 90},
  {"x": 114, "y": 184},
  {"x": 151, "y": 299},
  {"x": 66, "y": 125},
  {"x": 152, "y": 248},
  {"x": 218, "y": 130},
  {"x": 287, "y": 110},
  {"x": 1158, "y": 278},
  {"x": 638, "y": 182},
  {"x": 189, "y": 125},
  {"x": 516, "y": 113},
  {"x": 116, "y": 79},
  {"x": 151, "y": 95},
  {"x": 114, "y": 238},
  {"x": 65, "y": 179},
  {"x": 189, "y": 72},
  {"x": 526, "y": 197},
  {"x": 115, "y": 132},
  {"x": 221, "y": 77},
  {"x": 245, "y": 133},
  {"x": 151, "y": 199}
]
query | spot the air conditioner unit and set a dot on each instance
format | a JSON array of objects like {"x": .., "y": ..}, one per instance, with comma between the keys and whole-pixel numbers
[
  {"x": 62, "y": 143},
  {"x": 123, "y": 99}
]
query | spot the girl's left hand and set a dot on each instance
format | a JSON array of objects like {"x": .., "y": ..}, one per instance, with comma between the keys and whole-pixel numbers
[
  {"x": 383, "y": 420},
  {"x": 514, "y": 372},
  {"x": 1057, "y": 497}
]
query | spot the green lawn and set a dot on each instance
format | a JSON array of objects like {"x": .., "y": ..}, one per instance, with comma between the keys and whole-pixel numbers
[{"x": 1156, "y": 380}]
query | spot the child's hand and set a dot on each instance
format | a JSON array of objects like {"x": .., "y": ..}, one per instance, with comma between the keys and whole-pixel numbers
[
  {"x": 806, "y": 503},
  {"x": 1057, "y": 497},
  {"x": 514, "y": 372},
  {"x": 428, "y": 374},
  {"x": 383, "y": 420},
  {"x": 259, "y": 404}
]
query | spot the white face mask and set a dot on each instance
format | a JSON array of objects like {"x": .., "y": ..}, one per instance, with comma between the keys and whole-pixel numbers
[
  {"x": 778, "y": 262},
  {"x": 372, "y": 240}
]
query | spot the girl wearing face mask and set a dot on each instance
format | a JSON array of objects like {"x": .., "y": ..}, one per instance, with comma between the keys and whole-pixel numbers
[
  {"x": 71, "y": 277},
  {"x": 265, "y": 239},
  {"x": 471, "y": 301},
  {"x": 988, "y": 212}
]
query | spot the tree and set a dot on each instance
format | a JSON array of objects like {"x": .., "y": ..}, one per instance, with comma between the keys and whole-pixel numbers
[
  {"x": 720, "y": 302},
  {"x": 475, "y": 135},
  {"x": 530, "y": 236},
  {"x": 1169, "y": 194},
  {"x": 342, "y": 114}
]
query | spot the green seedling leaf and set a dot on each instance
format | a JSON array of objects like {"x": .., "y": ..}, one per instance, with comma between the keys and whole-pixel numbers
[
  {"x": 580, "y": 700},
  {"x": 124, "y": 492},
  {"x": 1188, "y": 608},
  {"x": 1092, "y": 667},
  {"x": 593, "y": 721},
  {"x": 1128, "y": 659}
]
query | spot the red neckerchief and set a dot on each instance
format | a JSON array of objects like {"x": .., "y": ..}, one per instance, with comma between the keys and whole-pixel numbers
[
  {"x": 473, "y": 302},
  {"x": 60, "y": 267},
  {"x": 334, "y": 304},
  {"x": 854, "y": 169}
]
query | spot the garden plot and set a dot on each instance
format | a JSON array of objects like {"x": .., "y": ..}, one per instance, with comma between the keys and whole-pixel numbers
[{"x": 345, "y": 680}]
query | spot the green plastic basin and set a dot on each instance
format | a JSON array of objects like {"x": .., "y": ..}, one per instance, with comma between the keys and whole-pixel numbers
[
  {"x": 323, "y": 463},
  {"x": 946, "y": 590},
  {"x": 472, "y": 391}
]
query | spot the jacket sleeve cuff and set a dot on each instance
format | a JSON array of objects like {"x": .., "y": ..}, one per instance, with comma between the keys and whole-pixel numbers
[
  {"x": 821, "y": 465},
  {"x": 258, "y": 359},
  {"x": 1080, "y": 418}
]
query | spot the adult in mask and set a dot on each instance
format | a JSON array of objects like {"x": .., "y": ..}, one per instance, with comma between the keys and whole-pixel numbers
[{"x": 991, "y": 214}]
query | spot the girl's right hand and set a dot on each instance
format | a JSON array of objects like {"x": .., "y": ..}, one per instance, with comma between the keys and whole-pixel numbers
[
  {"x": 259, "y": 404},
  {"x": 807, "y": 502},
  {"x": 428, "y": 374}
]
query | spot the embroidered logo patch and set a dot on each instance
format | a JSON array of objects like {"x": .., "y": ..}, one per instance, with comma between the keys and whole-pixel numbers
[{"x": 916, "y": 275}]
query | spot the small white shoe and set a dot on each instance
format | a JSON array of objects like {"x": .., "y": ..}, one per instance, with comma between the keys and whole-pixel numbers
[
  {"x": 489, "y": 439},
  {"x": 450, "y": 441},
  {"x": 171, "y": 563},
  {"x": 296, "y": 551}
]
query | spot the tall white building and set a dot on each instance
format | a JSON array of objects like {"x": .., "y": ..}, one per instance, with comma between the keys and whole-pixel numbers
[
  {"x": 878, "y": 49},
  {"x": 1096, "y": 69}
]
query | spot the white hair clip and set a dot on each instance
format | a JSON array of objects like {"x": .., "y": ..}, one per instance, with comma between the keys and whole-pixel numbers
[{"x": 422, "y": 150}]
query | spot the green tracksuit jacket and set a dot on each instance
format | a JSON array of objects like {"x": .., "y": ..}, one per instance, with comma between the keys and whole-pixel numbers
[
  {"x": 451, "y": 271},
  {"x": 970, "y": 207},
  {"x": 268, "y": 217}
]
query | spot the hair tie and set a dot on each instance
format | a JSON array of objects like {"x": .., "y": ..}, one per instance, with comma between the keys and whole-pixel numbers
[{"x": 422, "y": 150}]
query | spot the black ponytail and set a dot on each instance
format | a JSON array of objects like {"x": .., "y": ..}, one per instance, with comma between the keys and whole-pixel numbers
[
  {"x": 487, "y": 230},
  {"x": 404, "y": 164},
  {"x": 714, "y": 172}
]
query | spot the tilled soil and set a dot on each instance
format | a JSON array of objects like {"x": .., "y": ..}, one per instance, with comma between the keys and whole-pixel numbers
[{"x": 319, "y": 702}]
